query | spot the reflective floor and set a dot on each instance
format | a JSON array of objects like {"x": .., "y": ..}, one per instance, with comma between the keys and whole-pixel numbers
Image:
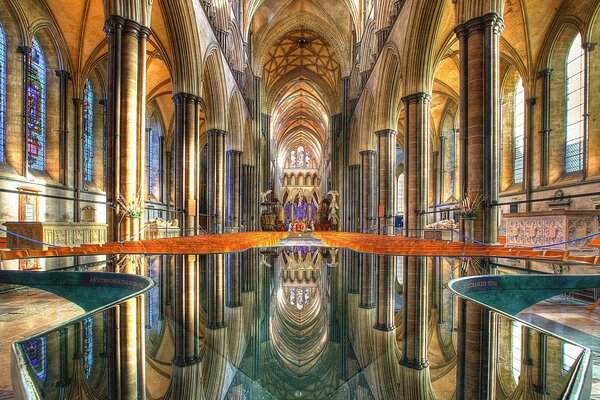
[{"x": 301, "y": 322}]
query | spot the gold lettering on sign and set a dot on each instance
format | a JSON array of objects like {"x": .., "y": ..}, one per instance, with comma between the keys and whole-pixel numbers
[{"x": 492, "y": 283}]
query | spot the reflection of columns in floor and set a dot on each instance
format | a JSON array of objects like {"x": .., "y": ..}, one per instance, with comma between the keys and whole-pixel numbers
[
  {"x": 386, "y": 278},
  {"x": 186, "y": 311},
  {"x": 367, "y": 280},
  {"x": 233, "y": 279},
  {"x": 215, "y": 291}
]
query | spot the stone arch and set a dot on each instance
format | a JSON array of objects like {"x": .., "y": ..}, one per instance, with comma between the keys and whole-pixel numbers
[
  {"x": 366, "y": 132},
  {"x": 235, "y": 138},
  {"x": 213, "y": 90},
  {"x": 389, "y": 94}
]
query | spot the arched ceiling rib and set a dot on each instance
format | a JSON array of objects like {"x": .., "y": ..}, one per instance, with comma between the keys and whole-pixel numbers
[{"x": 301, "y": 49}]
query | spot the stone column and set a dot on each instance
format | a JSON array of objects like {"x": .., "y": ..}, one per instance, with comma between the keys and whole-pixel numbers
[
  {"x": 367, "y": 281},
  {"x": 26, "y": 51},
  {"x": 77, "y": 157},
  {"x": 234, "y": 280},
  {"x": 480, "y": 115},
  {"x": 216, "y": 180},
  {"x": 416, "y": 162},
  {"x": 234, "y": 173},
  {"x": 126, "y": 94},
  {"x": 215, "y": 271},
  {"x": 528, "y": 173},
  {"x": 545, "y": 75},
  {"x": 386, "y": 278},
  {"x": 355, "y": 201},
  {"x": 386, "y": 148},
  {"x": 368, "y": 190},
  {"x": 63, "y": 79},
  {"x": 186, "y": 125},
  {"x": 415, "y": 312},
  {"x": 590, "y": 158},
  {"x": 186, "y": 308}
]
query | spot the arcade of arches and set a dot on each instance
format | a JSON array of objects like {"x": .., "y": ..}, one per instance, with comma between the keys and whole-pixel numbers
[{"x": 132, "y": 119}]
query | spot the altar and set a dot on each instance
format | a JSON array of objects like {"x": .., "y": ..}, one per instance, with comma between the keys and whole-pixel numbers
[
  {"x": 55, "y": 233},
  {"x": 539, "y": 228}
]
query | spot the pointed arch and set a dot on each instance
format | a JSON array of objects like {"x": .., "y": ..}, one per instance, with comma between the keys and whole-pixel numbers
[{"x": 213, "y": 90}]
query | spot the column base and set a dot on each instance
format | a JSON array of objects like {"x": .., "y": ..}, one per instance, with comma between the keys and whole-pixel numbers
[
  {"x": 413, "y": 364},
  {"x": 187, "y": 361},
  {"x": 367, "y": 306},
  {"x": 384, "y": 327},
  {"x": 234, "y": 305},
  {"x": 215, "y": 325}
]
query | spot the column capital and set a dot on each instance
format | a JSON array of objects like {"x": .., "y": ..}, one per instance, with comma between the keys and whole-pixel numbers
[
  {"x": 77, "y": 102},
  {"x": 181, "y": 97},
  {"x": 478, "y": 25},
  {"x": 132, "y": 28},
  {"x": 545, "y": 73},
  {"x": 588, "y": 46},
  {"x": 235, "y": 153},
  {"x": 417, "y": 98},
  {"x": 216, "y": 132},
  {"x": 61, "y": 73},
  {"x": 386, "y": 132},
  {"x": 103, "y": 102},
  {"x": 531, "y": 101},
  {"x": 366, "y": 153},
  {"x": 112, "y": 23},
  {"x": 24, "y": 50}
]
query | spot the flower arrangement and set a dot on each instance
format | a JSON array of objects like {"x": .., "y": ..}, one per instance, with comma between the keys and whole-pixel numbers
[
  {"x": 470, "y": 205},
  {"x": 132, "y": 208}
]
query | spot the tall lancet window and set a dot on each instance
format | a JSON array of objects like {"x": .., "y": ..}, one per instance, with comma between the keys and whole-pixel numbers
[
  {"x": 36, "y": 107},
  {"x": 519, "y": 132},
  {"x": 2, "y": 93},
  {"x": 155, "y": 158},
  {"x": 575, "y": 104},
  {"x": 88, "y": 132}
]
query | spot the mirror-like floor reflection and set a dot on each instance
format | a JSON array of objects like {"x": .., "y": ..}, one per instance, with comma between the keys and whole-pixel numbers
[{"x": 301, "y": 322}]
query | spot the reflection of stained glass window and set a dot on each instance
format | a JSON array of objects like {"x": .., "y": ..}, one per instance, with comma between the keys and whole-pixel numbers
[
  {"x": 2, "y": 92},
  {"x": 88, "y": 345},
  {"x": 155, "y": 158},
  {"x": 154, "y": 309},
  {"x": 36, "y": 107},
  {"x": 88, "y": 132},
  {"x": 36, "y": 353}
]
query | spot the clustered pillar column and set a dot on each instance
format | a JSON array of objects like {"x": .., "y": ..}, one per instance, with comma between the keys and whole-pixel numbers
[
  {"x": 416, "y": 153},
  {"x": 480, "y": 116},
  {"x": 234, "y": 175},
  {"x": 368, "y": 190},
  {"x": 186, "y": 309},
  {"x": 234, "y": 280},
  {"x": 386, "y": 277},
  {"x": 126, "y": 81},
  {"x": 187, "y": 115},
  {"x": 368, "y": 193},
  {"x": 386, "y": 147},
  {"x": 415, "y": 310},
  {"x": 215, "y": 290},
  {"x": 216, "y": 180}
]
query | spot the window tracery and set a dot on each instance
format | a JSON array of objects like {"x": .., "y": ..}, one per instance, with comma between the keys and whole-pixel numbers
[
  {"x": 575, "y": 107},
  {"x": 88, "y": 132}
]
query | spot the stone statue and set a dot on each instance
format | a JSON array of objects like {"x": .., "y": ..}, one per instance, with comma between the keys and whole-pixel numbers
[{"x": 264, "y": 195}]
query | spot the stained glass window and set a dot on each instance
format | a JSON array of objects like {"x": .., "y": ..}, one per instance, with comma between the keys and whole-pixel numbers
[
  {"x": 2, "y": 92},
  {"x": 400, "y": 197},
  {"x": 575, "y": 103},
  {"x": 519, "y": 132},
  {"x": 88, "y": 345},
  {"x": 36, "y": 353},
  {"x": 448, "y": 158},
  {"x": 155, "y": 159},
  {"x": 36, "y": 107},
  {"x": 88, "y": 132}
]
